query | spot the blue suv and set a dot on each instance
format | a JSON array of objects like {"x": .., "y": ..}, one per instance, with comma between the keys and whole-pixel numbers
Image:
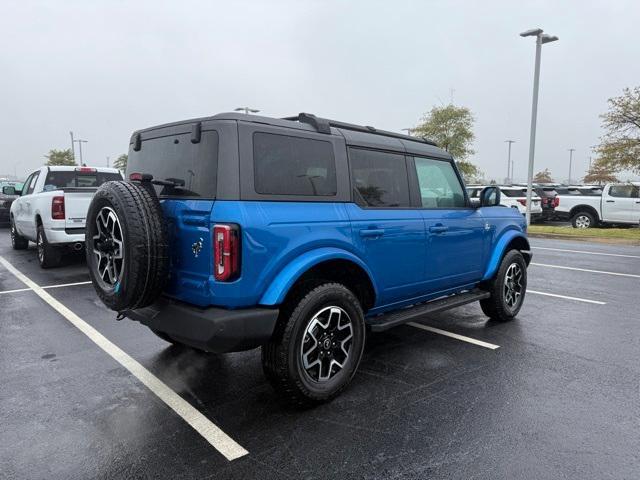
[{"x": 297, "y": 235}]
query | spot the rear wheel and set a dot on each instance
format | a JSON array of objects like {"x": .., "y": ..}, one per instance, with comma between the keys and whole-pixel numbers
[
  {"x": 18, "y": 242},
  {"x": 507, "y": 288},
  {"x": 583, "y": 220},
  {"x": 317, "y": 346},
  {"x": 48, "y": 255}
]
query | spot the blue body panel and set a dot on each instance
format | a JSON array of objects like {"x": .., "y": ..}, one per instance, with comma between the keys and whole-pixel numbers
[{"x": 410, "y": 255}]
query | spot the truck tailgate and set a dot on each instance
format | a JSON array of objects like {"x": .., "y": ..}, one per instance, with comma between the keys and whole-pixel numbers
[{"x": 76, "y": 205}]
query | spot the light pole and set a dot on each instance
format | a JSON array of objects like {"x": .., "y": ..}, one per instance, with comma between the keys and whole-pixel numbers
[
  {"x": 540, "y": 40},
  {"x": 571, "y": 150},
  {"x": 509, "y": 167},
  {"x": 80, "y": 142},
  {"x": 246, "y": 110},
  {"x": 73, "y": 146}
]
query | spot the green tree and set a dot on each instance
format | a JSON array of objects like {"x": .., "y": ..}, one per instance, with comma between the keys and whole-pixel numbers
[
  {"x": 121, "y": 162},
  {"x": 60, "y": 157},
  {"x": 543, "y": 177},
  {"x": 600, "y": 172},
  {"x": 620, "y": 146},
  {"x": 451, "y": 127}
]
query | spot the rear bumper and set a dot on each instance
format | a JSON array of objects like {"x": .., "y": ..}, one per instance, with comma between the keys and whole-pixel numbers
[
  {"x": 61, "y": 236},
  {"x": 212, "y": 329}
]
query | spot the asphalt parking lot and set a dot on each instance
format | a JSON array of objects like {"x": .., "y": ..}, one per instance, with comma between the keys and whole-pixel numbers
[{"x": 553, "y": 394}]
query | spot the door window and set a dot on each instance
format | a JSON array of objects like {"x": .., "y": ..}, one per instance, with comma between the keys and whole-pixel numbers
[
  {"x": 624, "y": 191},
  {"x": 26, "y": 184},
  {"x": 32, "y": 183},
  {"x": 439, "y": 185},
  {"x": 379, "y": 178}
]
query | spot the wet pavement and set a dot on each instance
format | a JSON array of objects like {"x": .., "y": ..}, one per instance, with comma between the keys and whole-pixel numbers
[{"x": 559, "y": 398}]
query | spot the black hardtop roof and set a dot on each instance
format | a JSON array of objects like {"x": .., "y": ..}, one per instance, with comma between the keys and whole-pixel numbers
[{"x": 354, "y": 134}]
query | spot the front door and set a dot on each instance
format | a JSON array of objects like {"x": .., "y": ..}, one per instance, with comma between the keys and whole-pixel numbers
[
  {"x": 455, "y": 232},
  {"x": 388, "y": 234}
]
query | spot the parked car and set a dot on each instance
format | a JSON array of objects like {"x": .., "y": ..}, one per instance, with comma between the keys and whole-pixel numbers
[
  {"x": 619, "y": 203},
  {"x": 549, "y": 201},
  {"x": 514, "y": 197},
  {"x": 298, "y": 234},
  {"x": 52, "y": 208},
  {"x": 9, "y": 191}
]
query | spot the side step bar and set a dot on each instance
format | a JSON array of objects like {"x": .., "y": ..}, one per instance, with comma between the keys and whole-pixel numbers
[{"x": 386, "y": 321}]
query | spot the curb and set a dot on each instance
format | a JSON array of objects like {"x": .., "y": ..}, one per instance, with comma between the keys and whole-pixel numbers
[{"x": 611, "y": 241}]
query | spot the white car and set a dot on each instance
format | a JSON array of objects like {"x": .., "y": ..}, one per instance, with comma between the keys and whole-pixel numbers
[
  {"x": 52, "y": 209},
  {"x": 514, "y": 197},
  {"x": 615, "y": 203}
]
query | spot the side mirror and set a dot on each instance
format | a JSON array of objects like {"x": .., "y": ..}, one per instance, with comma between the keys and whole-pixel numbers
[
  {"x": 9, "y": 190},
  {"x": 490, "y": 197}
]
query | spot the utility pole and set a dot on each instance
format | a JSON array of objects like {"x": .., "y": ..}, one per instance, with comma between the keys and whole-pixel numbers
[
  {"x": 509, "y": 167},
  {"x": 80, "y": 142},
  {"x": 571, "y": 150},
  {"x": 107, "y": 162},
  {"x": 73, "y": 147},
  {"x": 540, "y": 40}
]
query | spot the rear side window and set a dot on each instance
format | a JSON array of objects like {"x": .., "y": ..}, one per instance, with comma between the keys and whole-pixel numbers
[
  {"x": 70, "y": 179},
  {"x": 514, "y": 192},
  {"x": 624, "y": 191},
  {"x": 439, "y": 184},
  {"x": 189, "y": 169},
  {"x": 286, "y": 165},
  {"x": 379, "y": 178}
]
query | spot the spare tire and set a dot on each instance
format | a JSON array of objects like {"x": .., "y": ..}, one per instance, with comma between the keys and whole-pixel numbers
[{"x": 126, "y": 245}]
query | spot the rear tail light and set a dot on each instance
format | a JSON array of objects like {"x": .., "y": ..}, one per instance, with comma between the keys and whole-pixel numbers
[
  {"x": 522, "y": 202},
  {"x": 556, "y": 201},
  {"x": 226, "y": 252},
  {"x": 57, "y": 208}
]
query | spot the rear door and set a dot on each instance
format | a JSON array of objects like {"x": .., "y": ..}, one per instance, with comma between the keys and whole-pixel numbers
[
  {"x": 455, "y": 247},
  {"x": 619, "y": 204},
  {"x": 388, "y": 232},
  {"x": 189, "y": 169}
]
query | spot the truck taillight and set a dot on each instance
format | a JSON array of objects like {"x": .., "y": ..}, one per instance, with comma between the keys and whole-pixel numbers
[
  {"x": 522, "y": 202},
  {"x": 57, "y": 208},
  {"x": 556, "y": 202},
  {"x": 226, "y": 252}
]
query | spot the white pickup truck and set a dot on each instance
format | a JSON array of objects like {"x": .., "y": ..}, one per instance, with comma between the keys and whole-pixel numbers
[
  {"x": 52, "y": 208},
  {"x": 618, "y": 204}
]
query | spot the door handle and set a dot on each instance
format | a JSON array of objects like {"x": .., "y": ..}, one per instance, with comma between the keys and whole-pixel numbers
[
  {"x": 371, "y": 232},
  {"x": 438, "y": 229},
  {"x": 611, "y": 201}
]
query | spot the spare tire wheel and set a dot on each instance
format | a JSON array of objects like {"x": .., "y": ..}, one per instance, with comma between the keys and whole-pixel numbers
[{"x": 126, "y": 245}]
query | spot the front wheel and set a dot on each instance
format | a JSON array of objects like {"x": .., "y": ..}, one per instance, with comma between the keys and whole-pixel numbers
[
  {"x": 583, "y": 220},
  {"x": 507, "y": 288},
  {"x": 18, "y": 242},
  {"x": 317, "y": 346}
]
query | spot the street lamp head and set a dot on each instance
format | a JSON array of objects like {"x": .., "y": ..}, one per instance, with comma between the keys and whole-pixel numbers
[
  {"x": 548, "y": 38},
  {"x": 534, "y": 32}
]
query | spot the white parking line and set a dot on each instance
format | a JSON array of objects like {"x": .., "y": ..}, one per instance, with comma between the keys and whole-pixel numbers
[
  {"x": 47, "y": 287},
  {"x": 586, "y": 270},
  {"x": 454, "y": 335},
  {"x": 586, "y": 252},
  {"x": 211, "y": 433},
  {"x": 566, "y": 297},
  {"x": 15, "y": 291}
]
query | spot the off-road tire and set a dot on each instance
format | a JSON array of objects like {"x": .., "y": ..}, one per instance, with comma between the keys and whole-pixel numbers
[
  {"x": 18, "y": 242},
  {"x": 49, "y": 256},
  {"x": 281, "y": 360},
  {"x": 495, "y": 307},
  {"x": 145, "y": 265},
  {"x": 583, "y": 220}
]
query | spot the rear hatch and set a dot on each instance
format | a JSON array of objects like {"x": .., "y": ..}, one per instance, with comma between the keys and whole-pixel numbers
[
  {"x": 78, "y": 186},
  {"x": 189, "y": 171}
]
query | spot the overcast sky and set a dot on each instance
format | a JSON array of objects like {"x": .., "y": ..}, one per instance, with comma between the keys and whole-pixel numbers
[{"x": 106, "y": 68}]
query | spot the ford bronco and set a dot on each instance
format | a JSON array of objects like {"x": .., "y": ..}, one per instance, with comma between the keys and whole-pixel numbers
[{"x": 297, "y": 235}]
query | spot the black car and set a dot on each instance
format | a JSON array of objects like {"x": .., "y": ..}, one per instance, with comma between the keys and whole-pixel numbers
[
  {"x": 549, "y": 201},
  {"x": 9, "y": 191}
]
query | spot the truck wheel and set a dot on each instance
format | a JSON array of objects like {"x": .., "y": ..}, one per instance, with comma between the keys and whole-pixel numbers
[
  {"x": 317, "y": 345},
  {"x": 18, "y": 242},
  {"x": 583, "y": 220},
  {"x": 48, "y": 255},
  {"x": 507, "y": 288},
  {"x": 126, "y": 246}
]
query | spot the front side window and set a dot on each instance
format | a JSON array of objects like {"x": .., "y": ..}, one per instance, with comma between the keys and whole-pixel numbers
[
  {"x": 27, "y": 182},
  {"x": 284, "y": 165},
  {"x": 439, "y": 184},
  {"x": 624, "y": 191},
  {"x": 32, "y": 183},
  {"x": 379, "y": 178}
]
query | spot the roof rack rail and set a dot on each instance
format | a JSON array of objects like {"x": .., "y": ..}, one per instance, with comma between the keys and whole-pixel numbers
[{"x": 323, "y": 125}]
